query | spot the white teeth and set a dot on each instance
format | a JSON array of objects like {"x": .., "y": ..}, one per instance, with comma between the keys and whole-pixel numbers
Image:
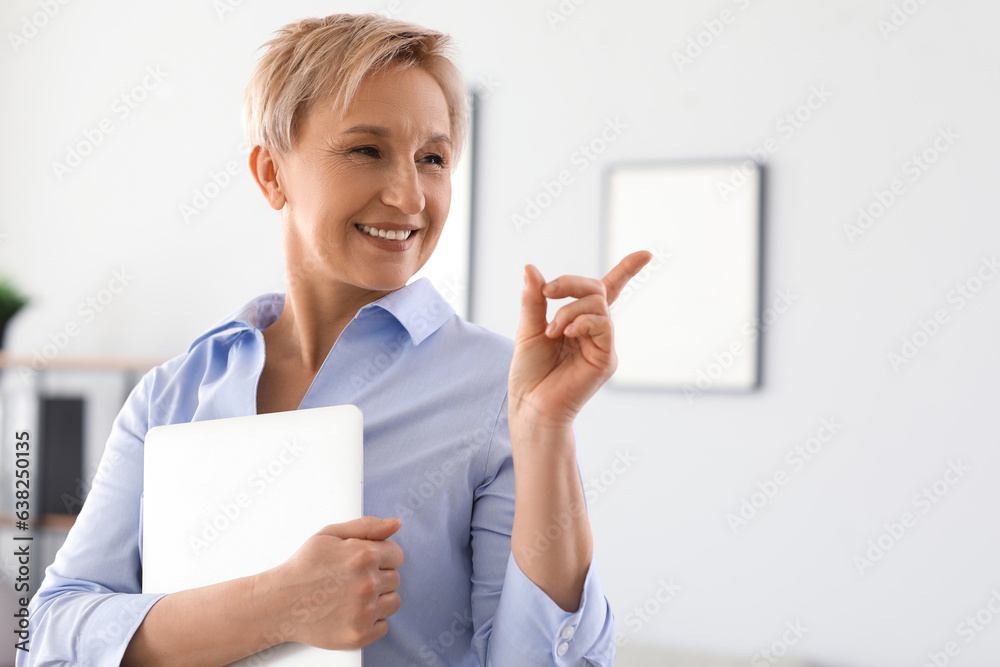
[{"x": 390, "y": 234}]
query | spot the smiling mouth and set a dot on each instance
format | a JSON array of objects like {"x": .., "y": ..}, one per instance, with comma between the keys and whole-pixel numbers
[{"x": 387, "y": 234}]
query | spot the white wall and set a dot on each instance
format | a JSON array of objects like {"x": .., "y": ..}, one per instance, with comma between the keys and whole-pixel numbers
[{"x": 556, "y": 87}]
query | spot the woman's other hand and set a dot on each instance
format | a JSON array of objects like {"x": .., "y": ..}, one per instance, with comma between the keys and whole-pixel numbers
[{"x": 338, "y": 589}]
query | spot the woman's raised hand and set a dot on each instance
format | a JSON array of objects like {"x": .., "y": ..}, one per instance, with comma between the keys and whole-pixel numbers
[{"x": 559, "y": 365}]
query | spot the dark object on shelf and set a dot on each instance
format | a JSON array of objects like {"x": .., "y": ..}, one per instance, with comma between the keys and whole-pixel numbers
[{"x": 61, "y": 453}]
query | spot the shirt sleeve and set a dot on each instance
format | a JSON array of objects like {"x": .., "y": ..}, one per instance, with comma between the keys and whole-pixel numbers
[
  {"x": 90, "y": 603},
  {"x": 516, "y": 623}
]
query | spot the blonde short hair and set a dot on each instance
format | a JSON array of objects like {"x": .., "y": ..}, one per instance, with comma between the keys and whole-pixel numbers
[{"x": 319, "y": 59}]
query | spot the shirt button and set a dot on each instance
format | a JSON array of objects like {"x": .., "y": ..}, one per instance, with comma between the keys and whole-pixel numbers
[
  {"x": 568, "y": 632},
  {"x": 561, "y": 651}
]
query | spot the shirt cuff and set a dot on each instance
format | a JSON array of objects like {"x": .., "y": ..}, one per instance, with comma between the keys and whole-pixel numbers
[
  {"x": 530, "y": 629},
  {"x": 85, "y": 628}
]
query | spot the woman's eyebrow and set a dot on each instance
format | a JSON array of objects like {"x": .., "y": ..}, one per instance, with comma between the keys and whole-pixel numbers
[
  {"x": 383, "y": 132},
  {"x": 440, "y": 139},
  {"x": 375, "y": 130}
]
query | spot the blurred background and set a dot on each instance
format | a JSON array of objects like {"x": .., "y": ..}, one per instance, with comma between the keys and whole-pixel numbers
[{"x": 838, "y": 514}]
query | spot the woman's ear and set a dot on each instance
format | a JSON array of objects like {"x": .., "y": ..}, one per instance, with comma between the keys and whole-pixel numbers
[{"x": 264, "y": 168}]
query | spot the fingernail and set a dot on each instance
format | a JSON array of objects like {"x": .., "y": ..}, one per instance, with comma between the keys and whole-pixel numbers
[
  {"x": 551, "y": 328},
  {"x": 552, "y": 286}
]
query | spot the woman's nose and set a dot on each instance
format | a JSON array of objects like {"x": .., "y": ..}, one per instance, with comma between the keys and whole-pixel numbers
[{"x": 403, "y": 191}]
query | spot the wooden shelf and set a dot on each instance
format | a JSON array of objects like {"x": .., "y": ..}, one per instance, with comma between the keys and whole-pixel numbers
[{"x": 58, "y": 522}]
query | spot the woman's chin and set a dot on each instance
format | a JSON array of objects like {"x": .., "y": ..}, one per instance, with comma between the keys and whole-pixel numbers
[{"x": 387, "y": 282}]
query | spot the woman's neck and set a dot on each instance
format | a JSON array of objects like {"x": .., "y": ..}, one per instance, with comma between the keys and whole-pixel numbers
[{"x": 312, "y": 320}]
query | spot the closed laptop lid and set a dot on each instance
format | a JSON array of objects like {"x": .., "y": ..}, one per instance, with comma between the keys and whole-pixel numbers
[{"x": 228, "y": 498}]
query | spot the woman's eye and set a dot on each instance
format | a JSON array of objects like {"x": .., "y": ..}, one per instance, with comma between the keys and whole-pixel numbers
[
  {"x": 434, "y": 159},
  {"x": 370, "y": 151}
]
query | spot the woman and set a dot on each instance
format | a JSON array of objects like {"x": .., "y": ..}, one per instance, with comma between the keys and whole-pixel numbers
[{"x": 355, "y": 123}]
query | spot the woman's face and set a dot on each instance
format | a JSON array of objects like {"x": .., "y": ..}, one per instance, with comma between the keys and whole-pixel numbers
[{"x": 366, "y": 196}]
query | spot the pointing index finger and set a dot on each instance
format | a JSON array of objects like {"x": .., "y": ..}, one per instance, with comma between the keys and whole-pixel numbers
[{"x": 626, "y": 269}]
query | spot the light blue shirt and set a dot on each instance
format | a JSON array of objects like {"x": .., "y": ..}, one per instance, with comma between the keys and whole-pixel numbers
[{"x": 432, "y": 388}]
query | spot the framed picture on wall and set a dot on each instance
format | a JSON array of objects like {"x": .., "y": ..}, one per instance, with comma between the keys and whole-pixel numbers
[{"x": 689, "y": 320}]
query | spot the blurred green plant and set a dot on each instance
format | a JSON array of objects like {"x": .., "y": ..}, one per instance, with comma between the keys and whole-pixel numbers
[{"x": 11, "y": 301}]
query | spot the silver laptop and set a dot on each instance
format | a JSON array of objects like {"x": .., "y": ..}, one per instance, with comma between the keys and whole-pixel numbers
[{"x": 228, "y": 498}]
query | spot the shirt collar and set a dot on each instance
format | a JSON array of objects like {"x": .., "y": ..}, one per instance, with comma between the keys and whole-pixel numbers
[{"x": 418, "y": 307}]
